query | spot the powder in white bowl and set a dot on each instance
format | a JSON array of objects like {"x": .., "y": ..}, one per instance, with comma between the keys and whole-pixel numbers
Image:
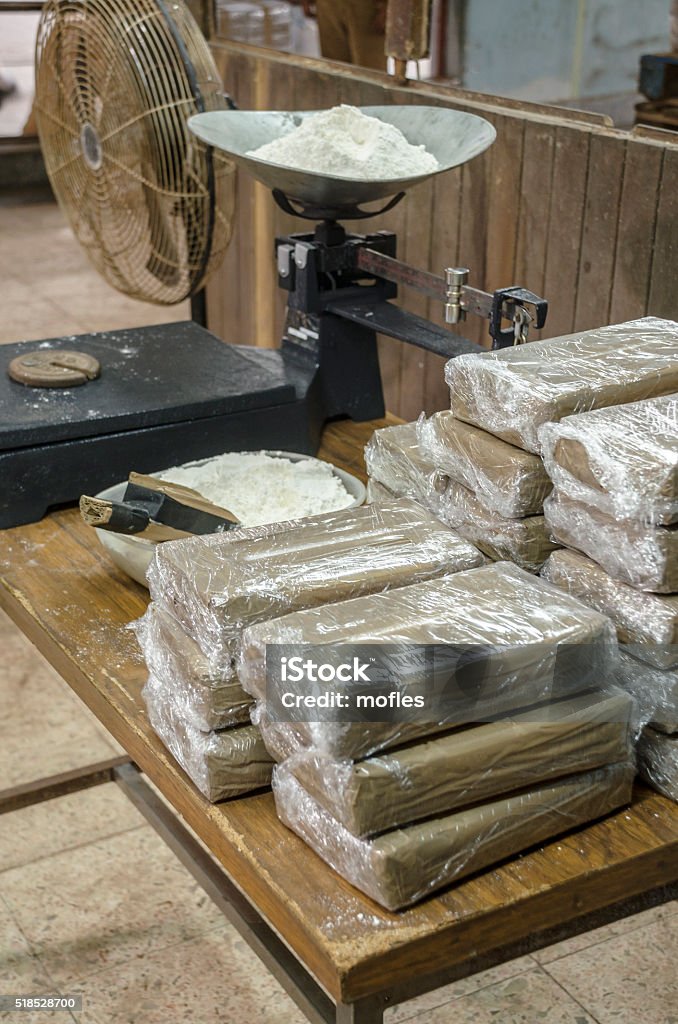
[
  {"x": 259, "y": 488},
  {"x": 345, "y": 143}
]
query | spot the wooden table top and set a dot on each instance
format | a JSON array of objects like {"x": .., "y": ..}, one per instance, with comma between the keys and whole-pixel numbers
[{"x": 59, "y": 586}]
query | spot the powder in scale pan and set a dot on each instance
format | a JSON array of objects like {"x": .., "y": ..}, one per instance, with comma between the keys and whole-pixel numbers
[{"x": 345, "y": 143}]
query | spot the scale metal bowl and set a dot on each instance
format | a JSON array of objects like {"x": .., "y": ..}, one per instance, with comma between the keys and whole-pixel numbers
[{"x": 452, "y": 136}]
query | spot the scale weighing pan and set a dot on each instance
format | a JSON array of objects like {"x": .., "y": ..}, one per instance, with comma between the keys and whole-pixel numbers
[{"x": 452, "y": 136}]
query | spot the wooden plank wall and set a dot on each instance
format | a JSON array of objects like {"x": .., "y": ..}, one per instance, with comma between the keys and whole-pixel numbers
[{"x": 562, "y": 203}]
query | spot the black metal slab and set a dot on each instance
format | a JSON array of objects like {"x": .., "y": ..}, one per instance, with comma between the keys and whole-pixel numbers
[{"x": 169, "y": 373}]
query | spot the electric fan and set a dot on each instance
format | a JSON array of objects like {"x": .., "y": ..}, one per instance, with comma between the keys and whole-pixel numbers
[{"x": 116, "y": 81}]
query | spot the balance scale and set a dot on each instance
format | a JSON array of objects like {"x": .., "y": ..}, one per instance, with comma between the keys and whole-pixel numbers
[{"x": 77, "y": 414}]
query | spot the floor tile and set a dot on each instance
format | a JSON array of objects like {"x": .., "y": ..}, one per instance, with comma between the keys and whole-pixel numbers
[
  {"x": 214, "y": 979},
  {"x": 21, "y": 973},
  {"x": 42, "y": 732},
  {"x": 530, "y": 998},
  {"x": 504, "y": 972},
  {"x": 630, "y": 979},
  {"x": 608, "y": 931},
  {"x": 105, "y": 904},
  {"x": 64, "y": 824}
]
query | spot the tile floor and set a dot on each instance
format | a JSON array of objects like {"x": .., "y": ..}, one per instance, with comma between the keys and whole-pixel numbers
[{"x": 92, "y": 902}]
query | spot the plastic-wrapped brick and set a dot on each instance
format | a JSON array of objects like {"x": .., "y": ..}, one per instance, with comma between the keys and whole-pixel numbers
[
  {"x": 506, "y": 480},
  {"x": 527, "y": 542},
  {"x": 395, "y": 459},
  {"x": 658, "y": 762},
  {"x": 655, "y": 691},
  {"x": 646, "y": 623},
  {"x": 217, "y": 590},
  {"x": 513, "y": 392},
  {"x": 400, "y": 867},
  {"x": 525, "y": 640},
  {"x": 222, "y": 764},
  {"x": 622, "y": 461},
  {"x": 644, "y": 556},
  {"x": 469, "y": 765}
]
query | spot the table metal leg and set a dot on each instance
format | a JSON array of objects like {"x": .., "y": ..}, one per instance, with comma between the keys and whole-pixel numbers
[
  {"x": 365, "y": 1011},
  {"x": 299, "y": 984},
  {"x": 53, "y": 786}
]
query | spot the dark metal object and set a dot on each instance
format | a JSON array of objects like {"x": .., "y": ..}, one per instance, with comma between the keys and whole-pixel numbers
[
  {"x": 294, "y": 977},
  {"x": 505, "y": 337},
  {"x": 394, "y": 322},
  {"x": 311, "y": 211},
  {"x": 169, "y": 394},
  {"x": 658, "y": 75},
  {"x": 332, "y": 274},
  {"x": 30, "y": 793},
  {"x": 502, "y": 304},
  {"x": 162, "y": 508},
  {"x": 380, "y": 265}
]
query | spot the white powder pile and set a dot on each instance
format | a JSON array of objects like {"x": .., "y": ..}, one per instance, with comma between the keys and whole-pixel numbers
[
  {"x": 259, "y": 488},
  {"x": 346, "y": 143}
]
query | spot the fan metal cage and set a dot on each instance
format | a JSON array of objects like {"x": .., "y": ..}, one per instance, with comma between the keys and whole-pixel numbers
[{"x": 116, "y": 81}]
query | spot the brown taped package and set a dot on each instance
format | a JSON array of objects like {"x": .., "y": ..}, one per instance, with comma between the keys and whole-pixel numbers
[
  {"x": 648, "y": 623},
  {"x": 533, "y": 643},
  {"x": 512, "y": 392},
  {"x": 655, "y": 691},
  {"x": 658, "y": 762},
  {"x": 527, "y": 542},
  {"x": 398, "y": 868},
  {"x": 395, "y": 459},
  {"x": 205, "y": 692},
  {"x": 622, "y": 461},
  {"x": 471, "y": 765},
  {"x": 216, "y": 592},
  {"x": 643, "y": 556},
  {"x": 221, "y": 764},
  {"x": 506, "y": 480}
]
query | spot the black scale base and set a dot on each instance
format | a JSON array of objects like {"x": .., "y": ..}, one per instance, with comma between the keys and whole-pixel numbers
[{"x": 166, "y": 395}]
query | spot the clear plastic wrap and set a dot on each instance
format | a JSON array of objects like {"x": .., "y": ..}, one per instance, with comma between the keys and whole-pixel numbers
[
  {"x": 221, "y": 764},
  {"x": 205, "y": 692},
  {"x": 645, "y": 557},
  {"x": 527, "y": 542},
  {"x": 216, "y": 592},
  {"x": 622, "y": 461},
  {"x": 398, "y": 868},
  {"x": 512, "y": 392},
  {"x": 532, "y": 643},
  {"x": 470, "y": 765},
  {"x": 394, "y": 458},
  {"x": 655, "y": 691},
  {"x": 647, "y": 623},
  {"x": 506, "y": 480},
  {"x": 658, "y": 762},
  {"x": 378, "y": 493}
]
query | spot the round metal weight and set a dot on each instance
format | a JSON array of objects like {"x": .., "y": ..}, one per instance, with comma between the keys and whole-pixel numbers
[{"x": 54, "y": 368}]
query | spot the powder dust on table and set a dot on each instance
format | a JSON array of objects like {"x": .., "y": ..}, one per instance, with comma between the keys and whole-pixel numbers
[
  {"x": 345, "y": 143},
  {"x": 259, "y": 488}
]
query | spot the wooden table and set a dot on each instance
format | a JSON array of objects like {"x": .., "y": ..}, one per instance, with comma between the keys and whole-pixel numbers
[{"x": 339, "y": 955}]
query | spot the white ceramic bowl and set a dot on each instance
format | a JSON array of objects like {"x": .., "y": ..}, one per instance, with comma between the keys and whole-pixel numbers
[{"x": 133, "y": 554}]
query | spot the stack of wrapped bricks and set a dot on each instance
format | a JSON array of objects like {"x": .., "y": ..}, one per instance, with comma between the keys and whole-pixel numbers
[
  {"x": 401, "y": 809},
  {"x": 205, "y": 590},
  {"x": 490, "y": 492},
  {"x": 615, "y": 502}
]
